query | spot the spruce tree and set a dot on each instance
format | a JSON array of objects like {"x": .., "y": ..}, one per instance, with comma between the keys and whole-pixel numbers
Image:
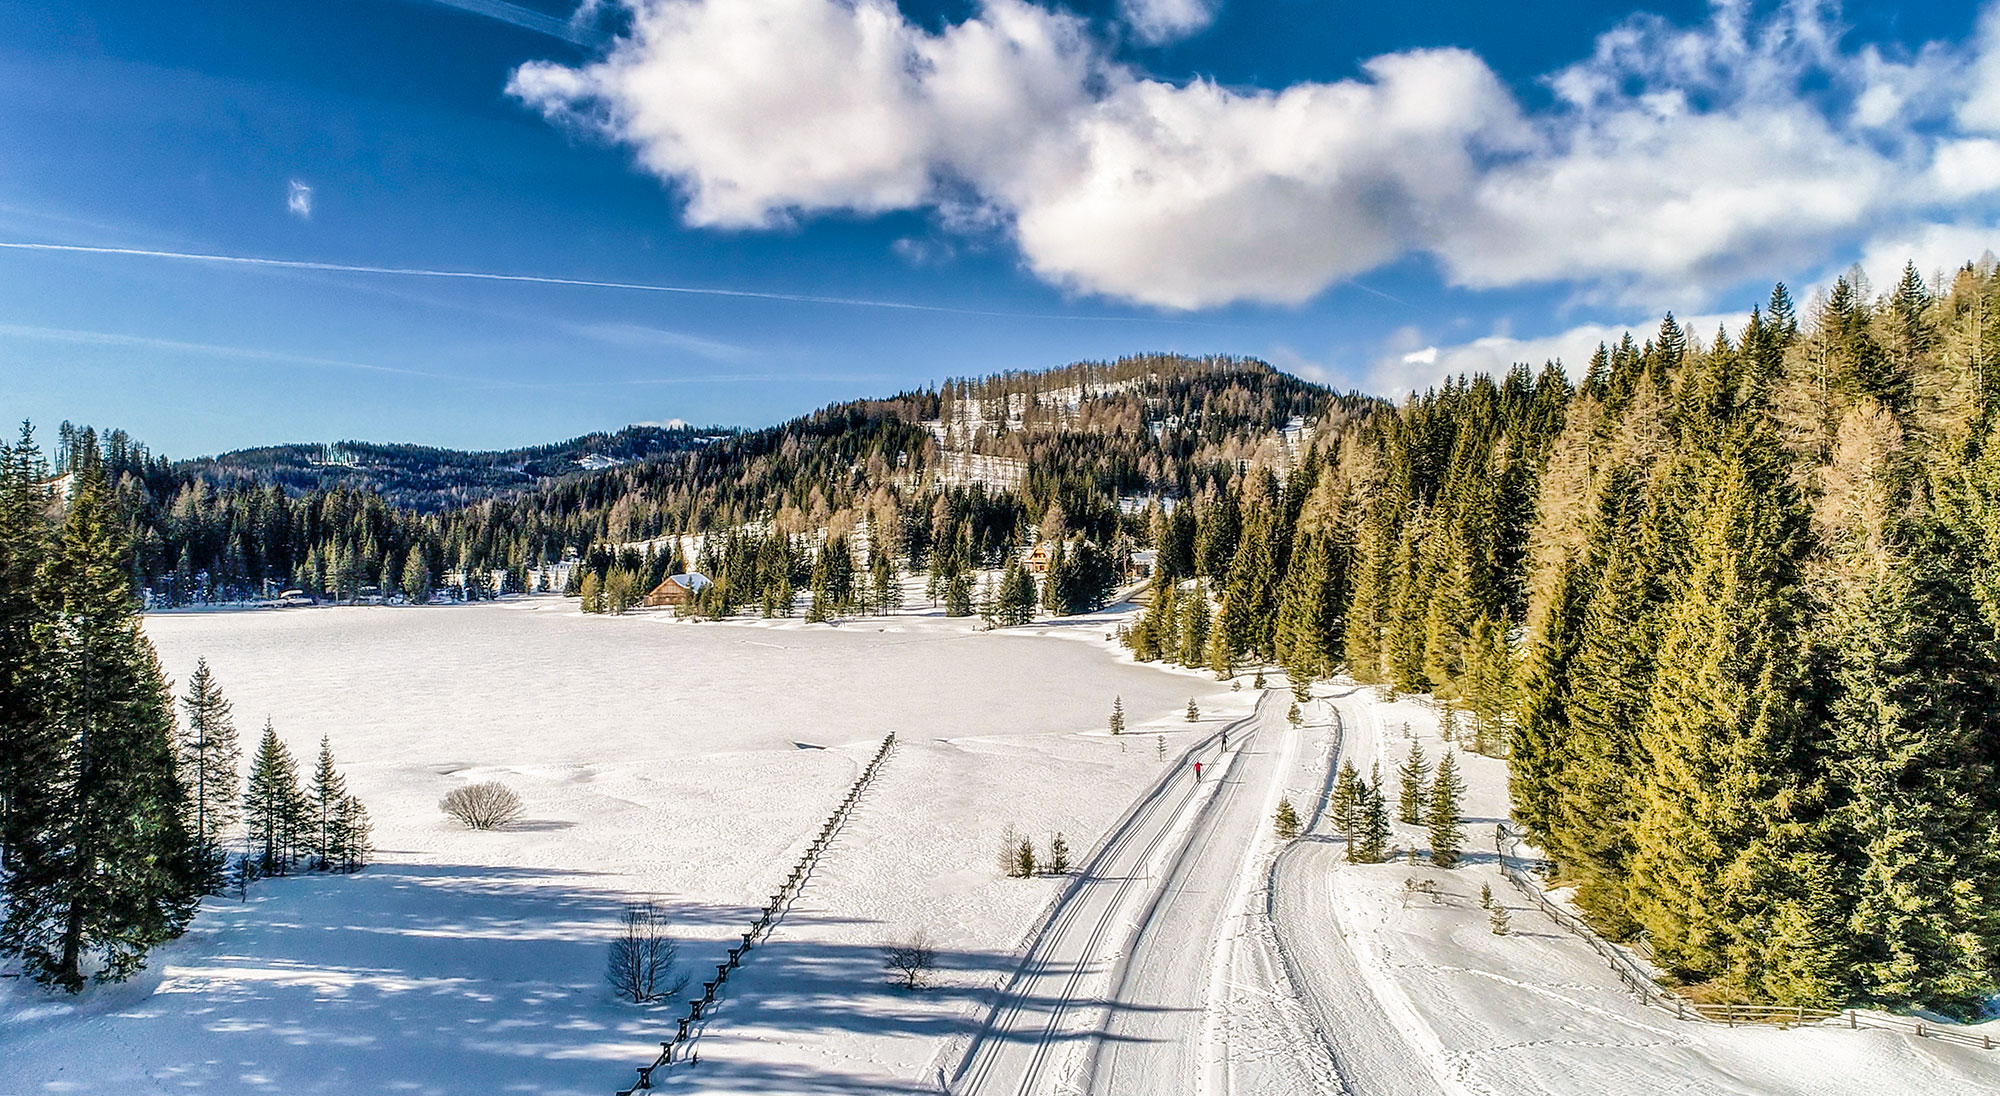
[
  {"x": 1914, "y": 720},
  {"x": 1371, "y": 843},
  {"x": 25, "y": 534},
  {"x": 329, "y": 791},
  {"x": 209, "y": 755},
  {"x": 1412, "y": 807},
  {"x": 275, "y": 810},
  {"x": 1286, "y": 821},
  {"x": 1117, "y": 721},
  {"x": 1728, "y": 782},
  {"x": 1194, "y": 629},
  {"x": 1342, "y": 802},
  {"x": 417, "y": 576},
  {"x": 351, "y": 837},
  {"x": 101, "y": 857},
  {"x": 1447, "y": 797}
]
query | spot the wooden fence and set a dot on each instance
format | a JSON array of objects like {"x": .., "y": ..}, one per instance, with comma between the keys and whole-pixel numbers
[
  {"x": 1641, "y": 983},
  {"x": 767, "y": 918}
]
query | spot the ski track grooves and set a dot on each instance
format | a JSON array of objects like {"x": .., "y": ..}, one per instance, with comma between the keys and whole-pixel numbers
[
  {"x": 1203, "y": 835},
  {"x": 975, "y": 1072}
]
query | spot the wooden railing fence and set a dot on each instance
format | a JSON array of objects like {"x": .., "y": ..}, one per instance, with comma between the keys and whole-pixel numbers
[
  {"x": 1641, "y": 983},
  {"x": 767, "y": 918}
]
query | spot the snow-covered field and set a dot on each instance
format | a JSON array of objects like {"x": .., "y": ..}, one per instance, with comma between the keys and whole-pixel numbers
[
  {"x": 1536, "y": 1010},
  {"x": 689, "y": 763}
]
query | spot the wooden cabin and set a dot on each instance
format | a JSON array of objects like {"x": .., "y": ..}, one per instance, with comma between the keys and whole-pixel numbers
[{"x": 677, "y": 590}]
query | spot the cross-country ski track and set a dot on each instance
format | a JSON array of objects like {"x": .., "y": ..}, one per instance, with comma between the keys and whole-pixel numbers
[{"x": 1124, "y": 988}]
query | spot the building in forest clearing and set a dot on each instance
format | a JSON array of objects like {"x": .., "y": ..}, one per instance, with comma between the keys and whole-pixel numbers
[{"x": 677, "y": 590}]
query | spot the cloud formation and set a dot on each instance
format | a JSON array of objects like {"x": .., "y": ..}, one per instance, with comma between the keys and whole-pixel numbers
[
  {"x": 299, "y": 200},
  {"x": 1674, "y": 162}
]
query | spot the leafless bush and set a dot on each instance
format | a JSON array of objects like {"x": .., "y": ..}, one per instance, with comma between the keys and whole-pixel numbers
[
  {"x": 641, "y": 965},
  {"x": 486, "y": 806},
  {"x": 912, "y": 960}
]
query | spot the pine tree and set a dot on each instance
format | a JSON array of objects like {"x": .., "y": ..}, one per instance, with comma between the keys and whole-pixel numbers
[
  {"x": 1058, "y": 855},
  {"x": 1447, "y": 796},
  {"x": 329, "y": 791},
  {"x": 209, "y": 755},
  {"x": 1024, "y": 859},
  {"x": 1412, "y": 807},
  {"x": 101, "y": 859},
  {"x": 1117, "y": 722},
  {"x": 275, "y": 810},
  {"x": 1193, "y": 712}
]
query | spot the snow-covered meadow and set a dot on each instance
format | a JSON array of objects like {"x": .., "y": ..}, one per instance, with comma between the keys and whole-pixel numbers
[
  {"x": 688, "y": 763},
  {"x": 1536, "y": 1010}
]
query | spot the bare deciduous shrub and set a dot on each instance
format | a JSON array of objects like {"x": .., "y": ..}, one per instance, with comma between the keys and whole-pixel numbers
[
  {"x": 641, "y": 965},
  {"x": 486, "y": 806},
  {"x": 912, "y": 960}
]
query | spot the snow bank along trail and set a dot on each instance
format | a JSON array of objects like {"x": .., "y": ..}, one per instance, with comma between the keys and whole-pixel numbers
[{"x": 1458, "y": 1009}]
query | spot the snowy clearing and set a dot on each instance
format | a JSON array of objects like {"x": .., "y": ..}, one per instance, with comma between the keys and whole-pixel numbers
[
  {"x": 1460, "y": 1010},
  {"x": 658, "y": 759}
]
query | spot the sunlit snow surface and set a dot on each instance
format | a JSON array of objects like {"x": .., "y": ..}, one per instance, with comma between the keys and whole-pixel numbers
[{"x": 656, "y": 758}]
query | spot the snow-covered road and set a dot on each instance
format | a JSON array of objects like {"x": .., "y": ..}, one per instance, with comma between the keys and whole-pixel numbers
[
  {"x": 1374, "y": 1057},
  {"x": 1115, "y": 992}
]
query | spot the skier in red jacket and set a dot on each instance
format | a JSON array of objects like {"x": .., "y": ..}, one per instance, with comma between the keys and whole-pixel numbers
[{"x": 1197, "y": 771}]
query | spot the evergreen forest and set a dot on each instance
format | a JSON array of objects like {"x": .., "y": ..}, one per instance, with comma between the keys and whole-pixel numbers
[{"x": 1726, "y": 601}]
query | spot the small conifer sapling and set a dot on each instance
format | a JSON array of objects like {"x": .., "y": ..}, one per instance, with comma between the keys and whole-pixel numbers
[{"x": 1287, "y": 821}]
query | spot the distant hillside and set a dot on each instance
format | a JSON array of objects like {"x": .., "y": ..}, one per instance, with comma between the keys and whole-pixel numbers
[{"x": 426, "y": 479}]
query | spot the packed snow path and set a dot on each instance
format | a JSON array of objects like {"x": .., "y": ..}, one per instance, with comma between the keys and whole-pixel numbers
[
  {"x": 1113, "y": 994},
  {"x": 1374, "y": 1056}
]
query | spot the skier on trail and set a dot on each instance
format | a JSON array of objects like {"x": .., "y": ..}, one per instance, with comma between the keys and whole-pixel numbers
[{"x": 1197, "y": 772}]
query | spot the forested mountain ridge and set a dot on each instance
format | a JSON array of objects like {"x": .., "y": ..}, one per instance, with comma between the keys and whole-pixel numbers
[
  {"x": 428, "y": 479},
  {"x": 1001, "y": 449}
]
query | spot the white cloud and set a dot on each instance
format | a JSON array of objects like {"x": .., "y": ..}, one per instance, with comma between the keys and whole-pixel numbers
[
  {"x": 1965, "y": 168},
  {"x": 1676, "y": 161},
  {"x": 1979, "y": 112},
  {"x": 1160, "y": 21},
  {"x": 1936, "y": 249},
  {"x": 1395, "y": 374},
  {"x": 299, "y": 200}
]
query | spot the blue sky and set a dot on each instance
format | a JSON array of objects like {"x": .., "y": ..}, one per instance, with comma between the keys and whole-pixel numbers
[{"x": 1370, "y": 195}]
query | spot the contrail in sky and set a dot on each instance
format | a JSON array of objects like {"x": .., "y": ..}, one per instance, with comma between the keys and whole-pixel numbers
[
  {"x": 588, "y": 283},
  {"x": 525, "y": 18}
]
